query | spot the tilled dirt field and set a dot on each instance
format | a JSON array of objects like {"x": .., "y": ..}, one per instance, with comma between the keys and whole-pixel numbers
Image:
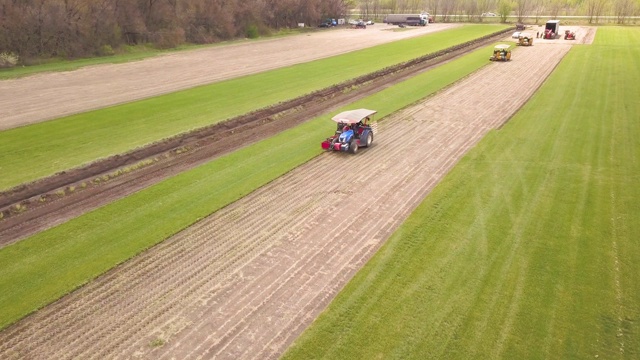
[
  {"x": 246, "y": 281},
  {"x": 203, "y": 144},
  {"x": 52, "y": 95}
]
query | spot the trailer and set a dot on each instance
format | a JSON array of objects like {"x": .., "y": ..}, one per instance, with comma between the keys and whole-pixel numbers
[
  {"x": 407, "y": 19},
  {"x": 551, "y": 29}
]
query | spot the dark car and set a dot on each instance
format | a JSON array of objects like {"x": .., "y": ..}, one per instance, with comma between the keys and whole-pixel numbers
[{"x": 361, "y": 25}]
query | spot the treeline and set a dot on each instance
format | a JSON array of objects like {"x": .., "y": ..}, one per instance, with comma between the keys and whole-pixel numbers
[
  {"x": 78, "y": 28},
  {"x": 618, "y": 11}
]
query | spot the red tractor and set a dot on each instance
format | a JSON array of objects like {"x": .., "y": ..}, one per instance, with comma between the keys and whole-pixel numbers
[{"x": 569, "y": 35}]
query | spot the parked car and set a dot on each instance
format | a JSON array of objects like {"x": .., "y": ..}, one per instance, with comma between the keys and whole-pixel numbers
[
  {"x": 516, "y": 35},
  {"x": 369, "y": 22},
  {"x": 488, "y": 14},
  {"x": 361, "y": 25},
  {"x": 328, "y": 23}
]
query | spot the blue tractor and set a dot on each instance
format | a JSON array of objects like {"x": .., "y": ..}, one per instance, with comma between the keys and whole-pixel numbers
[{"x": 353, "y": 132}]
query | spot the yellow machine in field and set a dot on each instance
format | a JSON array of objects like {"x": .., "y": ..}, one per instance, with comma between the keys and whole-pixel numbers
[
  {"x": 501, "y": 53},
  {"x": 525, "y": 40}
]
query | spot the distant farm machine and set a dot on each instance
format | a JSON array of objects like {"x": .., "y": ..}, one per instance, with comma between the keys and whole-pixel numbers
[
  {"x": 525, "y": 40},
  {"x": 501, "y": 53},
  {"x": 569, "y": 35}
]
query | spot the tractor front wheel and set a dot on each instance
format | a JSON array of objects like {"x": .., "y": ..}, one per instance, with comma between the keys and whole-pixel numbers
[{"x": 353, "y": 146}]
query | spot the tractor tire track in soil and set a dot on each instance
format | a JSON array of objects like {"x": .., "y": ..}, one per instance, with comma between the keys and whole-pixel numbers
[
  {"x": 45, "y": 208},
  {"x": 244, "y": 282}
]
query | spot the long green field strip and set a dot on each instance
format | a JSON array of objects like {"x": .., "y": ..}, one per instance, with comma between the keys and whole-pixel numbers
[
  {"x": 529, "y": 248},
  {"x": 39, "y": 270},
  {"x": 32, "y": 152}
]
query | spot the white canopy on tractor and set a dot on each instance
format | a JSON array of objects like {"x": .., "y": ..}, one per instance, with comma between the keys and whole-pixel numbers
[
  {"x": 353, "y": 116},
  {"x": 502, "y": 46}
]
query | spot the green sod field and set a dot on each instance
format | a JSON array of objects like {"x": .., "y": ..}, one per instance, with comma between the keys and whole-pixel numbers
[
  {"x": 529, "y": 248},
  {"x": 39, "y": 270},
  {"x": 32, "y": 152}
]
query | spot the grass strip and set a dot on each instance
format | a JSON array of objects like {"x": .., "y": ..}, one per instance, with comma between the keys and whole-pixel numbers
[
  {"x": 528, "y": 249},
  {"x": 44, "y": 267},
  {"x": 36, "y": 151}
]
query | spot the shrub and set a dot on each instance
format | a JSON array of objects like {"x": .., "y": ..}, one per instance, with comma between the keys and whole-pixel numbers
[
  {"x": 168, "y": 39},
  {"x": 106, "y": 50},
  {"x": 8, "y": 59},
  {"x": 252, "y": 32}
]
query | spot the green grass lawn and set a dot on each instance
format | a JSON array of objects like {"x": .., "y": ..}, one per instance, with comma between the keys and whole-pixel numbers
[
  {"x": 39, "y": 270},
  {"x": 32, "y": 152},
  {"x": 529, "y": 248}
]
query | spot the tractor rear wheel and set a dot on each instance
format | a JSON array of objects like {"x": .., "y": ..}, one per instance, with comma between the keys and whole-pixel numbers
[{"x": 369, "y": 139}]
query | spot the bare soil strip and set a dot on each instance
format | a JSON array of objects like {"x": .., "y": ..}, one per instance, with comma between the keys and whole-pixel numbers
[
  {"x": 48, "y": 96},
  {"x": 45, "y": 208},
  {"x": 246, "y": 281}
]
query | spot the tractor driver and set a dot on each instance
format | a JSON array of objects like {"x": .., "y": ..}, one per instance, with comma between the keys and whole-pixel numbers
[{"x": 356, "y": 127}]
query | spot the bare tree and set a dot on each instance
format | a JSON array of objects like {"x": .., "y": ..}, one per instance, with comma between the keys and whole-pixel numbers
[
  {"x": 622, "y": 9},
  {"x": 449, "y": 8},
  {"x": 366, "y": 8},
  {"x": 434, "y": 6},
  {"x": 376, "y": 9},
  {"x": 594, "y": 9},
  {"x": 504, "y": 9},
  {"x": 538, "y": 9},
  {"x": 554, "y": 7},
  {"x": 483, "y": 6},
  {"x": 470, "y": 8},
  {"x": 522, "y": 8}
]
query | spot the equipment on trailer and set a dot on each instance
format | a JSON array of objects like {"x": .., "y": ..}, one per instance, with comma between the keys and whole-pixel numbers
[
  {"x": 549, "y": 34},
  {"x": 501, "y": 53},
  {"x": 353, "y": 132}
]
